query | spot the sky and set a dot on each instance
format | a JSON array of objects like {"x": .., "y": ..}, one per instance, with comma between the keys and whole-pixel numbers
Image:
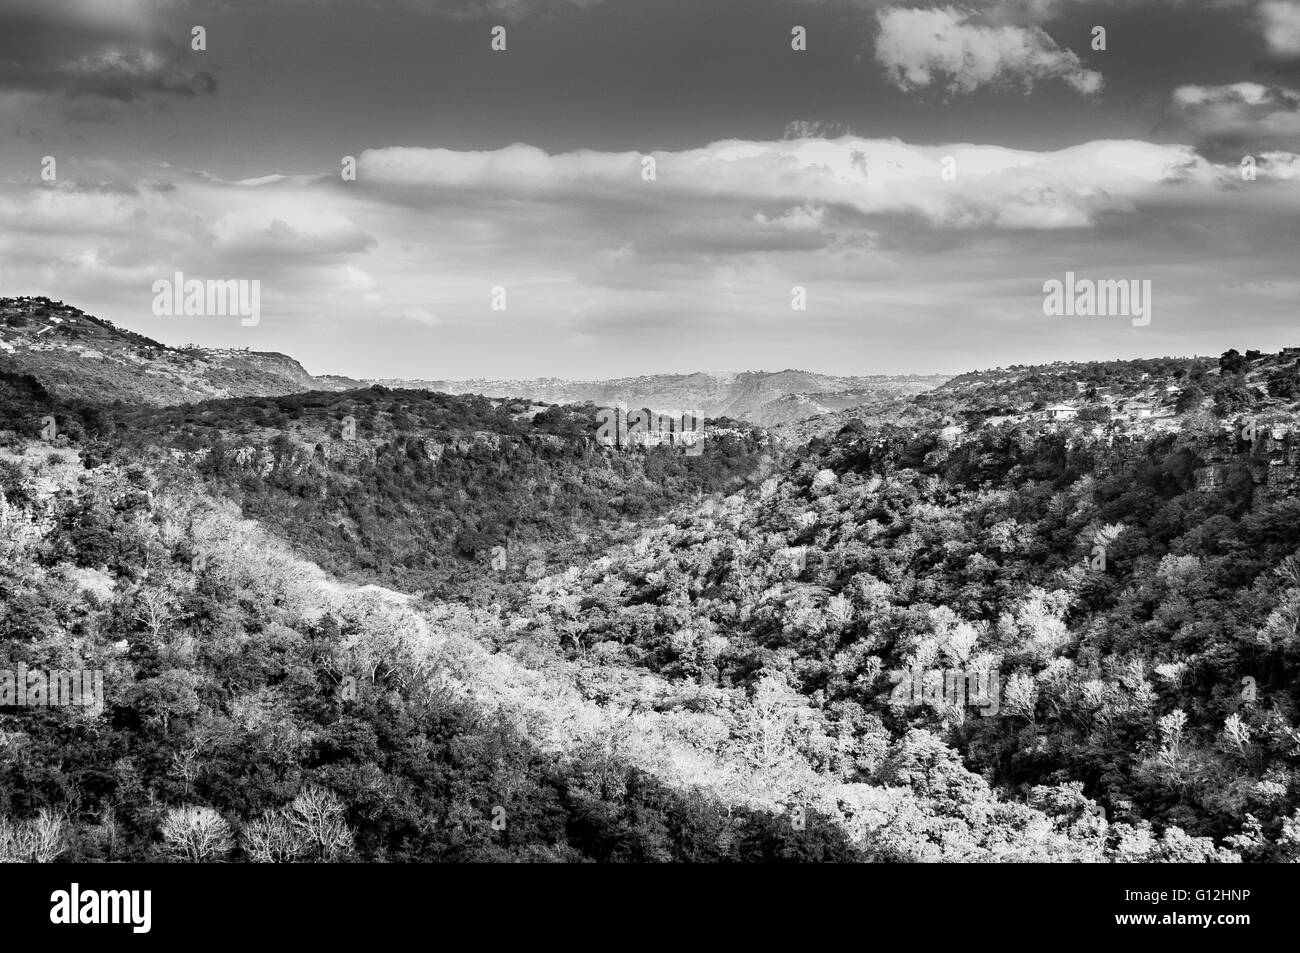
[{"x": 919, "y": 170}]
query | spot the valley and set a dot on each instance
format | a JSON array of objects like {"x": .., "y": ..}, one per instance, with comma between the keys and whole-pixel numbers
[{"x": 648, "y": 674}]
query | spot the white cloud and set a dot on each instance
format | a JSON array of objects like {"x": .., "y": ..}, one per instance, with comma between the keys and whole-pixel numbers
[
  {"x": 996, "y": 187},
  {"x": 948, "y": 48},
  {"x": 815, "y": 129},
  {"x": 287, "y": 231},
  {"x": 805, "y": 218},
  {"x": 1281, "y": 24},
  {"x": 421, "y": 315},
  {"x": 391, "y": 275},
  {"x": 1248, "y": 115}
]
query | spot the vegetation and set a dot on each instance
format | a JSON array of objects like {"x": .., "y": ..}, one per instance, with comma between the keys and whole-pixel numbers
[{"x": 682, "y": 658}]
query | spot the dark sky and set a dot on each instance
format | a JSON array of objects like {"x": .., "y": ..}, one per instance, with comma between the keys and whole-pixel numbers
[{"x": 521, "y": 170}]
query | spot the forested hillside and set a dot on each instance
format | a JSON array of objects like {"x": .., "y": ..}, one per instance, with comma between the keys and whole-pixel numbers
[
  {"x": 254, "y": 709},
  {"x": 690, "y": 658},
  {"x": 1159, "y": 679},
  {"x": 424, "y": 487}
]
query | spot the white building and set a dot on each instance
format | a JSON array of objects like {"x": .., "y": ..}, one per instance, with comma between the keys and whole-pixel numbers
[{"x": 1060, "y": 412}]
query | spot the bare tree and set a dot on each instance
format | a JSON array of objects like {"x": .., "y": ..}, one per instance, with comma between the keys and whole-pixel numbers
[
  {"x": 271, "y": 839},
  {"x": 154, "y": 612},
  {"x": 318, "y": 815},
  {"x": 187, "y": 764},
  {"x": 195, "y": 834},
  {"x": 311, "y": 828},
  {"x": 35, "y": 841}
]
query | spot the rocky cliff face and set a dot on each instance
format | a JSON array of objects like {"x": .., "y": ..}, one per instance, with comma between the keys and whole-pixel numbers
[{"x": 1272, "y": 459}]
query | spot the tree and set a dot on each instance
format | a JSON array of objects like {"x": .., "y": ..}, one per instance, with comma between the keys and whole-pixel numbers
[
  {"x": 774, "y": 711},
  {"x": 1284, "y": 383},
  {"x": 271, "y": 839},
  {"x": 195, "y": 835},
  {"x": 1189, "y": 399},
  {"x": 311, "y": 828},
  {"x": 317, "y": 814},
  {"x": 154, "y": 612},
  {"x": 1231, "y": 362},
  {"x": 36, "y": 841}
]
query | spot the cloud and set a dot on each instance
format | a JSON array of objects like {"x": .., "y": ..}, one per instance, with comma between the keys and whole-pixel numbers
[
  {"x": 125, "y": 75},
  {"x": 945, "y": 47},
  {"x": 391, "y": 275},
  {"x": 815, "y": 129},
  {"x": 260, "y": 233},
  {"x": 1241, "y": 116},
  {"x": 1280, "y": 21},
  {"x": 112, "y": 50},
  {"x": 996, "y": 187},
  {"x": 421, "y": 316}
]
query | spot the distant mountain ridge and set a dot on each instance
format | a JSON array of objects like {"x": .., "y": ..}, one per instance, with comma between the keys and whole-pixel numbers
[
  {"x": 766, "y": 398},
  {"x": 79, "y": 356}
]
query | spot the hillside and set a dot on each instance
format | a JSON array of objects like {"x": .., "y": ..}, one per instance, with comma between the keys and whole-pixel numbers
[
  {"x": 293, "y": 718},
  {"x": 424, "y": 489},
  {"x": 1109, "y": 397},
  {"x": 643, "y": 655},
  {"x": 79, "y": 356},
  {"x": 246, "y": 688},
  {"x": 1135, "y": 590}
]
